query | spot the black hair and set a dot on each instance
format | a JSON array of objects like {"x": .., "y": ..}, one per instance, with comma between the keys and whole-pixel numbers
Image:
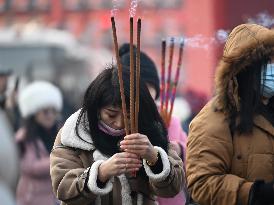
[
  {"x": 148, "y": 69},
  {"x": 250, "y": 91},
  {"x": 36, "y": 131},
  {"x": 104, "y": 91}
]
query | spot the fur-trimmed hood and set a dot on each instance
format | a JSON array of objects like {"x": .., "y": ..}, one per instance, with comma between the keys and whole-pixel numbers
[{"x": 245, "y": 44}]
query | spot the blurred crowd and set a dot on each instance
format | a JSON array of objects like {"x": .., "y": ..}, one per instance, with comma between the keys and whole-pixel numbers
[{"x": 29, "y": 121}]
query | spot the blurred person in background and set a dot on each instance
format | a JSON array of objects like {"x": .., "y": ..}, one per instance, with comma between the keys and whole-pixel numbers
[
  {"x": 176, "y": 135},
  {"x": 197, "y": 101},
  {"x": 8, "y": 168},
  {"x": 40, "y": 103},
  {"x": 8, "y": 163},
  {"x": 8, "y": 101},
  {"x": 4, "y": 75},
  {"x": 230, "y": 155}
]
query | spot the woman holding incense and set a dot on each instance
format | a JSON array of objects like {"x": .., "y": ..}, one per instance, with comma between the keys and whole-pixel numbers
[
  {"x": 93, "y": 160},
  {"x": 176, "y": 135}
]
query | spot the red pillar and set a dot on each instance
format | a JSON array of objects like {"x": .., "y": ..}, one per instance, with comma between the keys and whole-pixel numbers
[{"x": 57, "y": 12}]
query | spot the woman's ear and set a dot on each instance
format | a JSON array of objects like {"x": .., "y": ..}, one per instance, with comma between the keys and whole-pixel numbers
[{"x": 98, "y": 115}]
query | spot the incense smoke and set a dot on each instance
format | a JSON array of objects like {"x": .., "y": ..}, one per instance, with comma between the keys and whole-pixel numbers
[
  {"x": 263, "y": 18},
  {"x": 133, "y": 6},
  {"x": 199, "y": 41},
  {"x": 115, "y": 7},
  {"x": 177, "y": 40},
  {"x": 222, "y": 35}
]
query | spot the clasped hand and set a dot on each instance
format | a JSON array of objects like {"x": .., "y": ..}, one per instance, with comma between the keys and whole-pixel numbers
[
  {"x": 135, "y": 146},
  {"x": 140, "y": 145}
]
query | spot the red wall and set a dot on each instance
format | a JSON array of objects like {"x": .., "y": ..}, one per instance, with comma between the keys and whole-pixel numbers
[
  {"x": 192, "y": 18},
  {"x": 238, "y": 12}
]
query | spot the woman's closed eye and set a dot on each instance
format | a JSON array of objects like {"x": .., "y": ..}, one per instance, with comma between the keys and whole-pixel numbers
[{"x": 112, "y": 115}]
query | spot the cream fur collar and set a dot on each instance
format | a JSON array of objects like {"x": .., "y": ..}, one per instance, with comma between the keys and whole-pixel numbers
[{"x": 69, "y": 137}]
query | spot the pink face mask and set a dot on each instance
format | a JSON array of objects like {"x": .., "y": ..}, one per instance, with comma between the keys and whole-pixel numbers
[{"x": 109, "y": 130}]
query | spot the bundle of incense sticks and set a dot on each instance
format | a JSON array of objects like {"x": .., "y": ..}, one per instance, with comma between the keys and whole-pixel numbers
[
  {"x": 134, "y": 78},
  {"x": 168, "y": 89}
]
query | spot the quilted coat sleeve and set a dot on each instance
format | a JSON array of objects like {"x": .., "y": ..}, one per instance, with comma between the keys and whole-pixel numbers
[
  {"x": 171, "y": 179},
  {"x": 70, "y": 178},
  {"x": 209, "y": 155}
]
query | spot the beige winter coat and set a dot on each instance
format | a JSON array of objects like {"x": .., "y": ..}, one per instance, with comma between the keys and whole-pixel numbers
[
  {"x": 74, "y": 169},
  {"x": 220, "y": 167}
]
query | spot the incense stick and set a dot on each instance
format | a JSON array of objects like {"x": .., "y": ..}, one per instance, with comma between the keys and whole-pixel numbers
[
  {"x": 169, "y": 74},
  {"x": 174, "y": 87},
  {"x": 120, "y": 75},
  {"x": 132, "y": 114},
  {"x": 138, "y": 67},
  {"x": 163, "y": 77}
]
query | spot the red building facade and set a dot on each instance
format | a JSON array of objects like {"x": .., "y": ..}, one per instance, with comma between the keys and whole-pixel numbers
[{"x": 198, "y": 21}]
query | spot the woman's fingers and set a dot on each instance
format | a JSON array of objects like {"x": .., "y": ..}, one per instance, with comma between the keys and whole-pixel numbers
[
  {"x": 131, "y": 161},
  {"x": 127, "y": 158},
  {"x": 129, "y": 165},
  {"x": 138, "y": 152},
  {"x": 135, "y": 142},
  {"x": 131, "y": 170},
  {"x": 127, "y": 155},
  {"x": 123, "y": 162},
  {"x": 134, "y": 147},
  {"x": 134, "y": 136}
]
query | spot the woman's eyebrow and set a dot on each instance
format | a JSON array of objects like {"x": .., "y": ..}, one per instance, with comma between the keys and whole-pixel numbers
[{"x": 112, "y": 110}]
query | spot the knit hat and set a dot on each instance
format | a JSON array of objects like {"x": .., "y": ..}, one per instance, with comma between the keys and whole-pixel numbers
[
  {"x": 148, "y": 69},
  {"x": 39, "y": 95}
]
